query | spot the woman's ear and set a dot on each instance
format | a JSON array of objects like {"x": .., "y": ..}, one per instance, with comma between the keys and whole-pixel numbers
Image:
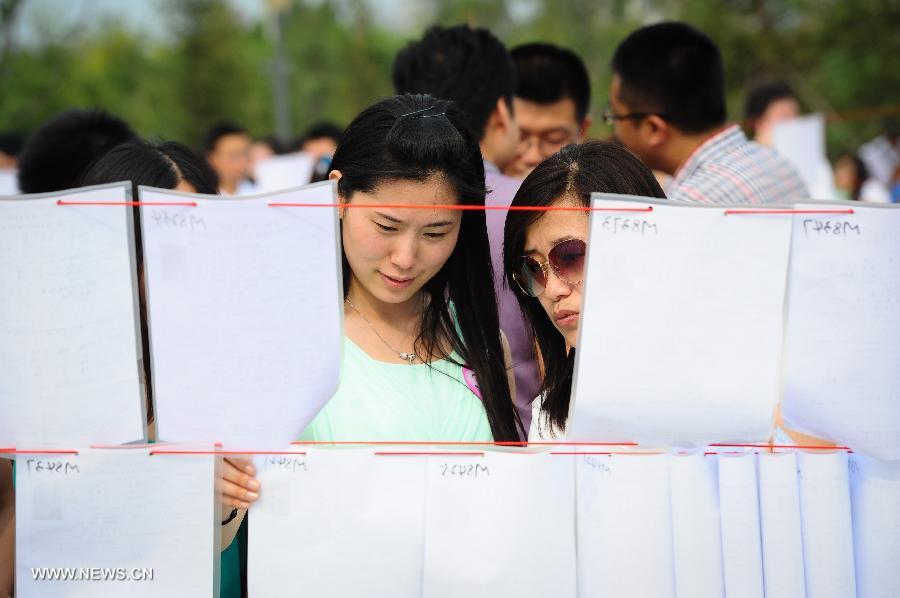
[{"x": 335, "y": 175}]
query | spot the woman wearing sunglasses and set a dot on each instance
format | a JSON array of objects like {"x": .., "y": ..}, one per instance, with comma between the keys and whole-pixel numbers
[
  {"x": 423, "y": 356},
  {"x": 543, "y": 258}
]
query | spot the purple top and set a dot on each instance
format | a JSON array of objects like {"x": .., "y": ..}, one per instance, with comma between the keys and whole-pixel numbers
[{"x": 502, "y": 189}]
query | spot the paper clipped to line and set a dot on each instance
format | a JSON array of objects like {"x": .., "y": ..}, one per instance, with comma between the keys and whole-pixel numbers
[
  {"x": 245, "y": 314},
  {"x": 69, "y": 343},
  {"x": 842, "y": 381},
  {"x": 145, "y": 523},
  {"x": 681, "y": 325}
]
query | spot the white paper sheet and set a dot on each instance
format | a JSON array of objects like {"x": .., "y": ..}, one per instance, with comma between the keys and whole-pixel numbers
[
  {"x": 68, "y": 321},
  {"x": 696, "y": 532},
  {"x": 779, "y": 512},
  {"x": 827, "y": 528},
  {"x": 245, "y": 311},
  {"x": 741, "y": 546},
  {"x": 148, "y": 523},
  {"x": 842, "y": 381},
  {"x": 9, "y": 182},
  {"x": 802, "y": 142},
  {"x": 681, "y": 328},
  {"x": 287, "y": 171},
  {"x": 338, "y": 523},
  {"x": 624, "y": 526},
  {"x": 875, "y": 496},
  {"x": 500, "y": 525}
]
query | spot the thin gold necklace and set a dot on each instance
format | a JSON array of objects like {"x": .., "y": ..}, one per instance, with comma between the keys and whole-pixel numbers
[{"x": 407, "y": 357}]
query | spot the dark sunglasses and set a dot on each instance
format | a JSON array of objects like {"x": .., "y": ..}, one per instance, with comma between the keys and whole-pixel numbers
[{"x": 566, "y": 259}]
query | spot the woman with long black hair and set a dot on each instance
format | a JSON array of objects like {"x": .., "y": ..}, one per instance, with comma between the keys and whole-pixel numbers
[
  {"x": 423, "y": 355},
  {"x": 543, "y": 258}
]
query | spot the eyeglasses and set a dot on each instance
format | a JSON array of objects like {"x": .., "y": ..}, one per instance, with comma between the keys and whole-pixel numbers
[
  {"x": 610, "y": 117},
  {"x": 566, "y": 259},
  {"x": 548, "y": 142}
]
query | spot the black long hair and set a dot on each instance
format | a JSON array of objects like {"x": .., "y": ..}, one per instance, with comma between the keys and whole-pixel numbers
[
  {"x": 413, "y": 138},
  {"x": 573, "y": 173},
  {"x": 163, "y": 165}
]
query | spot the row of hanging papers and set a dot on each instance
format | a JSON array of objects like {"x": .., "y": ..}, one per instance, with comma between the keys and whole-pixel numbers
[
  {"x": 698, "y": 322},
  {"x": 386, "y": 523}
]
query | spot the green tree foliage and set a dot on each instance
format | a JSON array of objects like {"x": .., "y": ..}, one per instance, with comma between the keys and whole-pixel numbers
[{"x": 841, "y": 57}]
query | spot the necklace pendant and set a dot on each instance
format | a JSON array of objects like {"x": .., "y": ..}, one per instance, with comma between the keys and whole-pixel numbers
[{"x": 408, "y": 357}]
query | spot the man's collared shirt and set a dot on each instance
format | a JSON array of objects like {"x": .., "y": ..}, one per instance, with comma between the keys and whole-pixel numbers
[
  {"x": 490, "y": 167},
  {"x": 728, "y": 168}
]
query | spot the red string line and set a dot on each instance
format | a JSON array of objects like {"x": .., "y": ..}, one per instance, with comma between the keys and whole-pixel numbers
[
  {"x": 37, "y": 452},
  {"x": 120, "y": 446},
  {"x": 786, "y": 446},
  {"x": 456, "y": 443},
  {"x": 847, "y": 211},
  {"x": 62, "y": 202},
  {"x": 414, "y": 453},
  {"x": 472, "y": 453},
  {"x": 580, "y": 453},
  {"x": 164, "y": 452},
  {"x": 460, "y": 207}
]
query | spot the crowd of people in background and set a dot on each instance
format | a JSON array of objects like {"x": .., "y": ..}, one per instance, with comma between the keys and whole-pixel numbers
[
  {"x": 469, "y": 117},
  {"x": 549, "y": 109}
]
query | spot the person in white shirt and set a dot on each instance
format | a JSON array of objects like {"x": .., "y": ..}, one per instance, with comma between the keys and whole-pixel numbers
[
  {"x": 882, "y": 154},
  {"x": 853, "y": 181}
]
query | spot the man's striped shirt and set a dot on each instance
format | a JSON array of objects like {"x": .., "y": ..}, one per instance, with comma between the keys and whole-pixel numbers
[{"x": 728, "y": 168}]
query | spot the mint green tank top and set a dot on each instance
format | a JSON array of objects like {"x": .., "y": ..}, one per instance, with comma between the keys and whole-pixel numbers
[{"x": 378, "y": 401}]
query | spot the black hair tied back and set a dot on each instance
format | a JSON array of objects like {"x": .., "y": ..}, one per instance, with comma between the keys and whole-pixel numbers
[{"x": 426, "y": 137}]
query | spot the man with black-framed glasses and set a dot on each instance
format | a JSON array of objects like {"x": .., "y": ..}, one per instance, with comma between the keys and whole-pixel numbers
[{"x": 667, "y": 105}]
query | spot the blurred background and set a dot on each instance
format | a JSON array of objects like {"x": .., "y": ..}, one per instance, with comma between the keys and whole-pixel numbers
[{"x": 173, "y": 67}]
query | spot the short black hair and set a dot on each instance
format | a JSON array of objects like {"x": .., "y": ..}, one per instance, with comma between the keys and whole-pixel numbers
[
  {"x": 219, "y": 130},
  {"x": 274, "y": 142},
  {"x": 762, "y": 95},
  {"x": 674, "y": 70},
  {"x": 11, "y": 143},
  {"x": 469, "y": 66},
  {"x": 163, "y": 165},
  {"x": 59, "y": 152},
  {"x": 323, "y": 130},
  {"x": 547, "y": 73}
]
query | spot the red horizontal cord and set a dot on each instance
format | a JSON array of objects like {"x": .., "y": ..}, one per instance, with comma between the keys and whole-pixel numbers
[
  {"x": 785, "y": 446},
  {"x": 415, "y": 453},
  {"x": 406, "y": 453},
  {"x": 580, "y": 453},
  {"x": 62, "y": 202},
  {"x": 456, "y": 443},
  {"x": 164, "y": 452},
  {"x": 847, "y": 211},
  {"x": 38, "y": 452},
  {"x": 461, "y": 207}
]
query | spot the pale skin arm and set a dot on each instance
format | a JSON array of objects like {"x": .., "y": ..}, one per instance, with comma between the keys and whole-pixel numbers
[
  {"x": 7, "y": 529},
  {"x": 799, "y": 438}
]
